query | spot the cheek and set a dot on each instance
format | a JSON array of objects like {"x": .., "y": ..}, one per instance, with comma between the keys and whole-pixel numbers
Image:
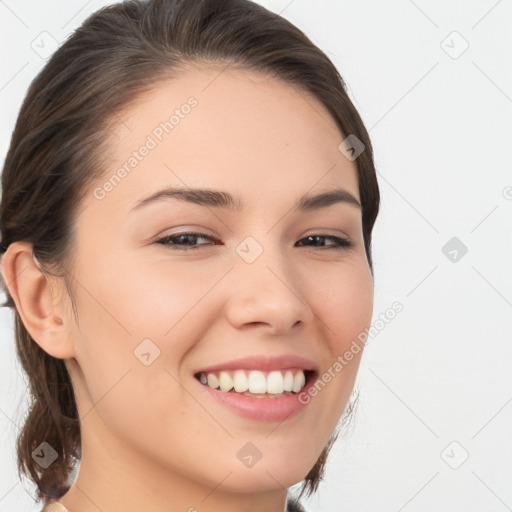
[
  {"x": 137, "y": 300},
  {"x": 137, "y": 323},
  {"x": 342, "y": 298},
  {"x": 343, "y": 305}
]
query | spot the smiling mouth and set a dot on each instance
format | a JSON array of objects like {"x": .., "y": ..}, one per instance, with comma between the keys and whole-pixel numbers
[{"x": 256, "y": 383}]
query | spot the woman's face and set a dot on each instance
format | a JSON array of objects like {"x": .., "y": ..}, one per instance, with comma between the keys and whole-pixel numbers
[{"x": 153, "y": 316}]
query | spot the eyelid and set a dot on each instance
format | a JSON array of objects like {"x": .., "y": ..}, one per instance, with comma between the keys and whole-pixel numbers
[
  {"x": 326, "y": 232},
  {"x": 186, "y": 230}
]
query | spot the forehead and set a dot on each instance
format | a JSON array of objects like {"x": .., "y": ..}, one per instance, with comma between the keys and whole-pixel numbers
[{"x": 209, "y": 127}]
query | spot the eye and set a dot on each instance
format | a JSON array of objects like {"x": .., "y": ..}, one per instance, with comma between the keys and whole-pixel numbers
[
  {"x": 187, "y": 241},
  {"x": 183, "y": 241},
  {"x": 339, "y": 243}
]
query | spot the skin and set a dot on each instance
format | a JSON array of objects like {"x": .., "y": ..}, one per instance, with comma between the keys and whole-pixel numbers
[{"x": 150, "y": 440}]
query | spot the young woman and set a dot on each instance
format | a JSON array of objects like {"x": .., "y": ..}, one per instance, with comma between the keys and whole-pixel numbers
[{"x": 188, "y": 202}]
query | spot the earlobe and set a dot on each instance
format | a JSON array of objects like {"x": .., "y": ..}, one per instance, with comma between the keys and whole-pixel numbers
[{"x": 32, "y": 293}]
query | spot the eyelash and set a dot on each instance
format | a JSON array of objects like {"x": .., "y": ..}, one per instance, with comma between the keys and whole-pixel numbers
[{"x": 340, "y": 243}]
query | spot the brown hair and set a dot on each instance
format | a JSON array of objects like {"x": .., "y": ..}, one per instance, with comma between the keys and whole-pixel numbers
[{"x": 57, "y": 152}]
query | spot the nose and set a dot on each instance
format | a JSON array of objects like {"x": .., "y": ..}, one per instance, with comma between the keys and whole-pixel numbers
[{"x": 267, "y": 294}]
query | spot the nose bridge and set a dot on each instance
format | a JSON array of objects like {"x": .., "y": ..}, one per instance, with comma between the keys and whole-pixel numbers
[{"x": 266, "y": 288}]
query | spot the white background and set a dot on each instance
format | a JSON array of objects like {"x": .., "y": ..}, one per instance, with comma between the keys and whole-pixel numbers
[{"x": 441, "y": 126}]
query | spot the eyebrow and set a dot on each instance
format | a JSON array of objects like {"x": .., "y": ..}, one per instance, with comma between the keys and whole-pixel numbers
[{"x": 221, "y": 199}]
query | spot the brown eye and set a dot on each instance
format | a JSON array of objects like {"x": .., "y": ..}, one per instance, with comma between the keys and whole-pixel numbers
[
  {"x": 183, "y": 241},
  {"x": 339, "y": 243}
]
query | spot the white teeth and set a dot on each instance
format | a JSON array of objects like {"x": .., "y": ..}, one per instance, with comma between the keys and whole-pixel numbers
[
  {"x": 298, "y": 382},
  {"x": 226, "y": 382},
  {"x": 240, "y": 381},
  {"x": 275, "y": 383},
  {"x": 288, "y": 381},
  {"x": 257, "y": 382},
  {"x": 213, "y": 381}
]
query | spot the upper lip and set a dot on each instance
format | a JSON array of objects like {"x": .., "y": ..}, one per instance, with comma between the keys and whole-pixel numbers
[{"x": 264, "y": 363}]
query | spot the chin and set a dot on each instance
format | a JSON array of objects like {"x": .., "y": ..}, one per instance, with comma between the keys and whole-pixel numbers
[
  {"x": 275, "y": 469},
  {"x": 264, "y": 479}
]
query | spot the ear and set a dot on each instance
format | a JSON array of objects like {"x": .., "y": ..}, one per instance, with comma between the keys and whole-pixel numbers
[{"x": 32, "y": 292}]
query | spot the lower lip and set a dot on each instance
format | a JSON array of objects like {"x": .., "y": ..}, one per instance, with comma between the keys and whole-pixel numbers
[{"x": 260, "y": 409}]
